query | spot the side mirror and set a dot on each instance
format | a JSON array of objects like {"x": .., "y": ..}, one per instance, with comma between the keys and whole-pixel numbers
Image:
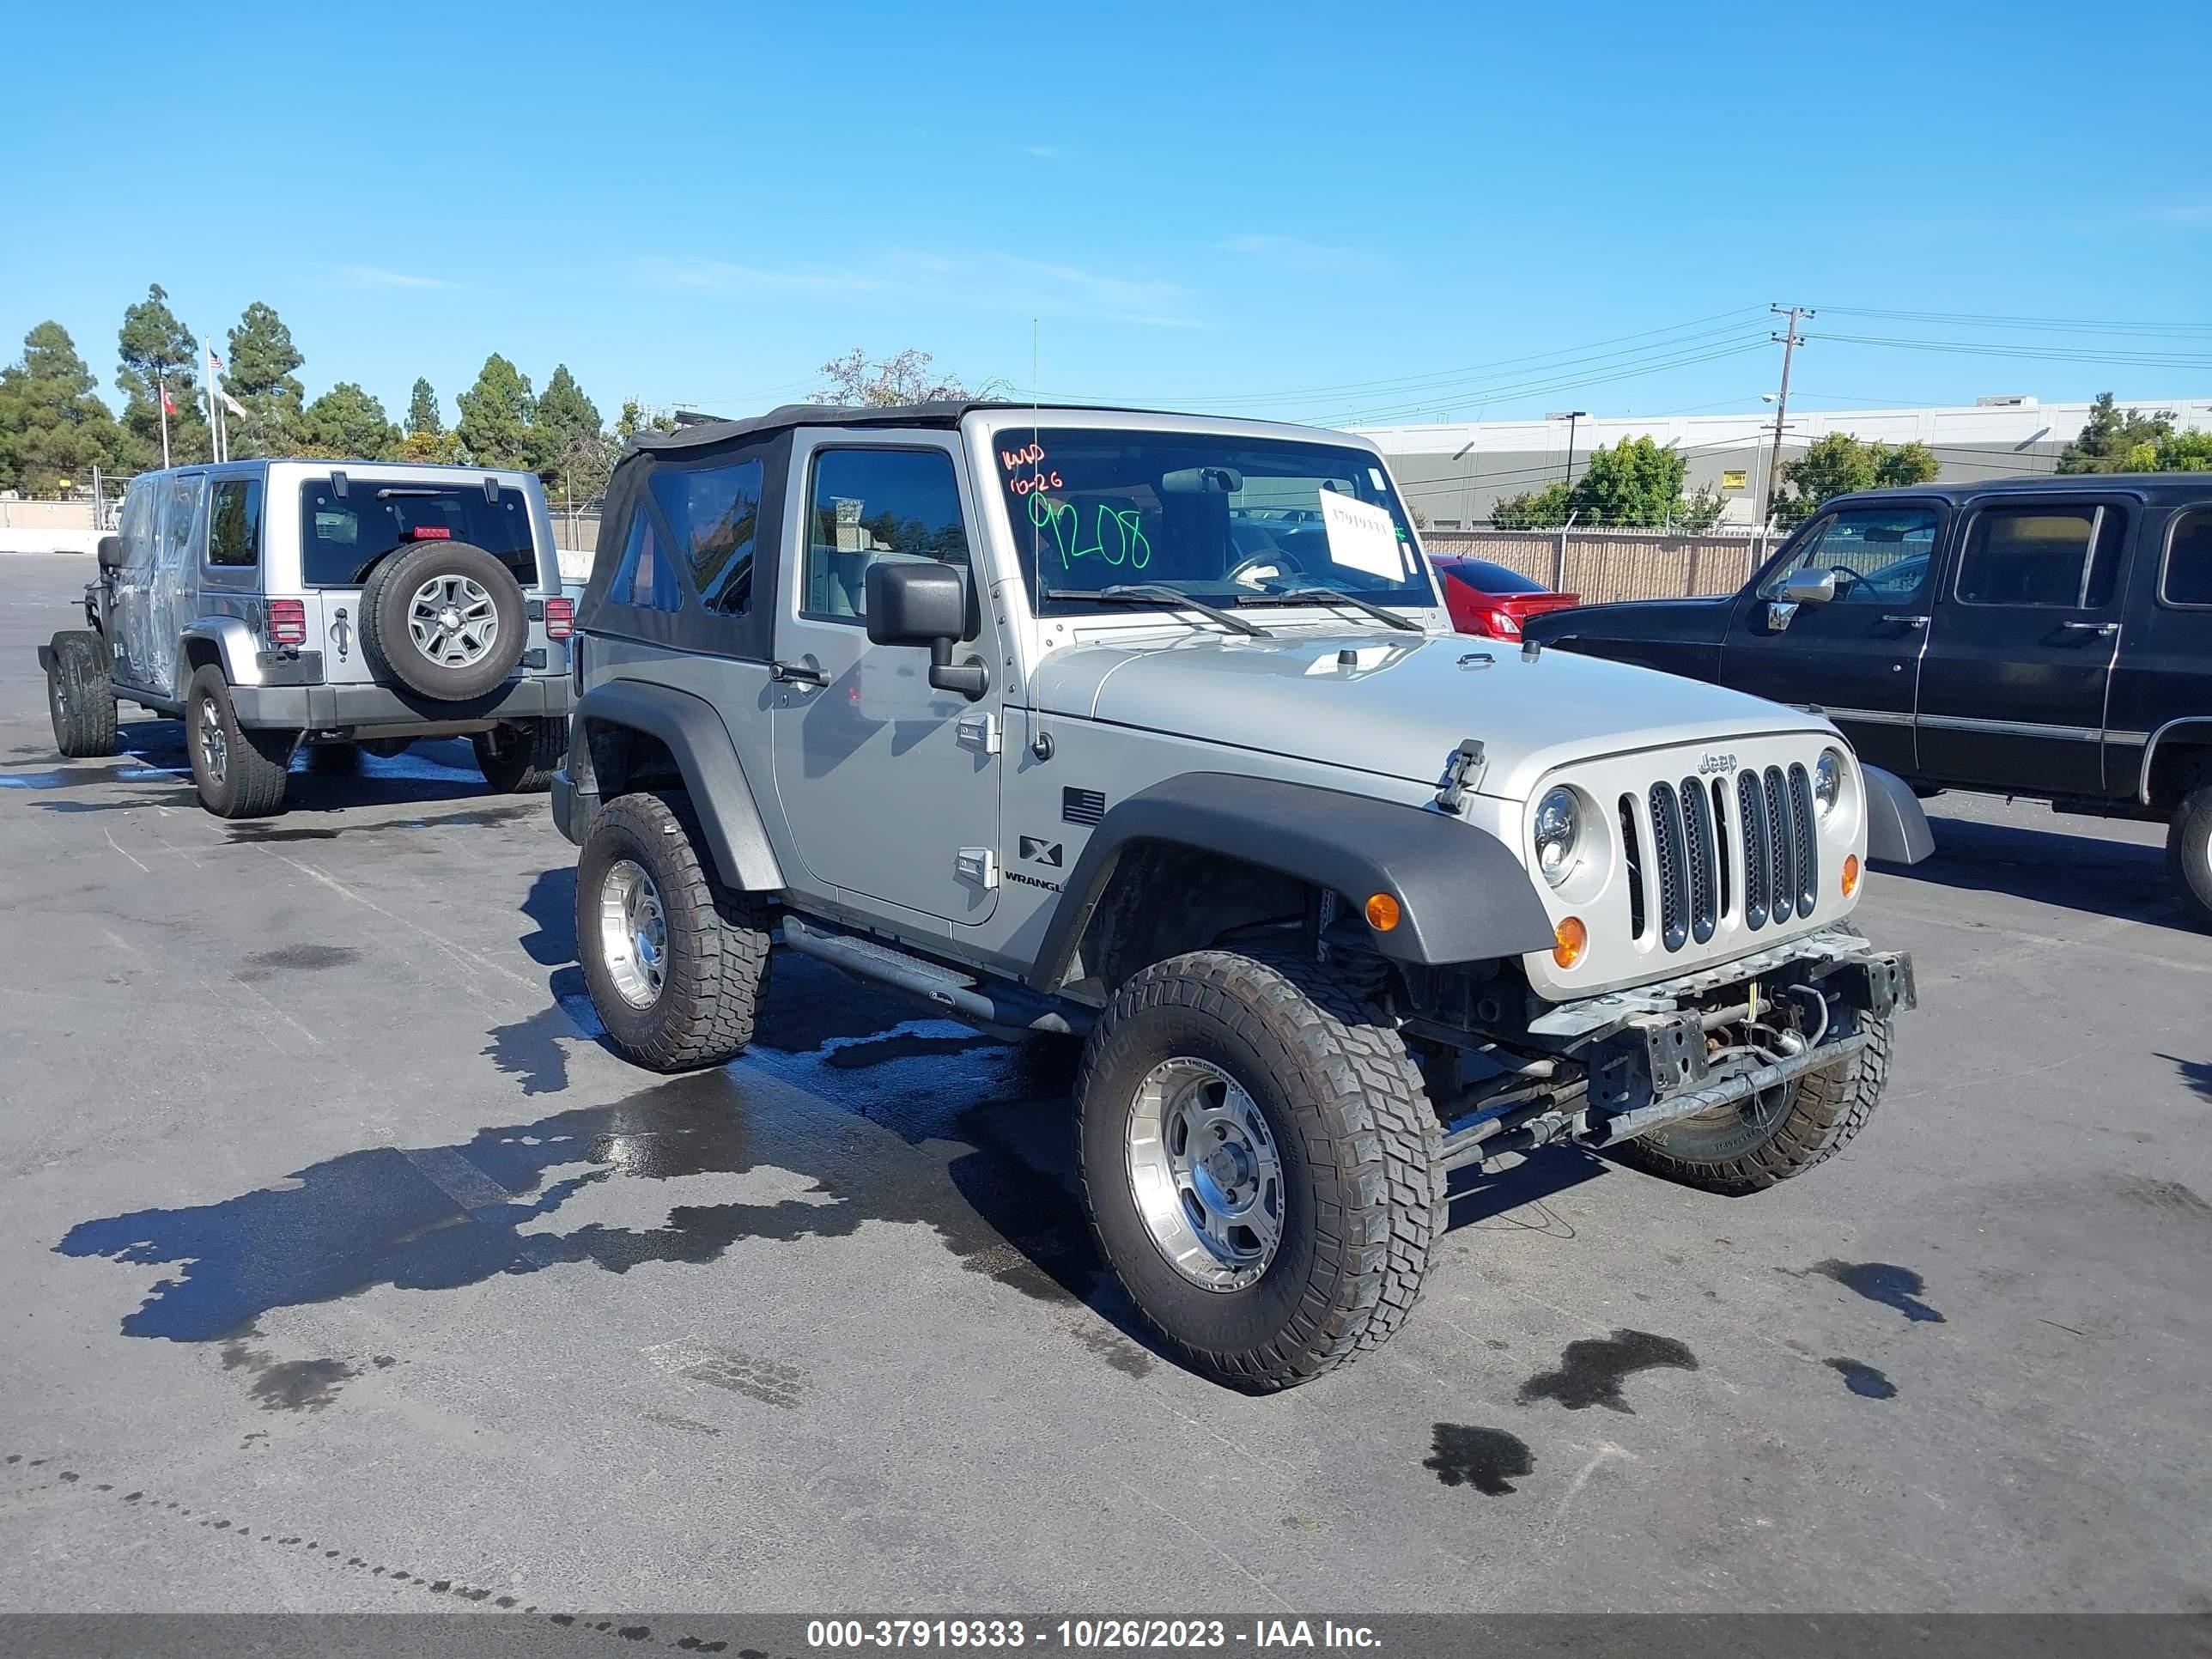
[
  {"x": 1807, "y": 587},
  {"x": 112, "y": 554},
  {"x": 924, "y": 602}
]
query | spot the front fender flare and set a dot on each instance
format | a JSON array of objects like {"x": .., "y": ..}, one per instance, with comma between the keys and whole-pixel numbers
[
  {"x": 1462, "y": 894},
  {"x": 694, "y": 734},
  {"x": 1896, "y": 827}
]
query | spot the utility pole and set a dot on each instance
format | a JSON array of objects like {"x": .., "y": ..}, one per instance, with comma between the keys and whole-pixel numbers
[
  {"x": 1570, "y": 416},
  {"x": 1790, "y": 340}
]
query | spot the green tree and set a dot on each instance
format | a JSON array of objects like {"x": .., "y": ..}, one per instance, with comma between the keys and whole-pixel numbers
[
  {"x": 1839, "y": 463},
  {"x": 906, "y": 377},
  {"x": 1537, "y": 509},
  {"x": 569, "y": 442},
  {"x": 158, "y": 354},
  {"x": 2115, "y": 439},
  {"x": 496, "y": 415},
  {"x": 634, "y": 420},
  {"x": 423, "y": 420},
  {"x": 260, "y": 375},
  {"x": 427, "y": 438},
  {"x": 1696, "y": 513},
  {"x": 1635, "y": 483},
  {"x": 2184, "y": 451},
  {"x": 52, "y": 428},
  {"x": 347, "y": 423}
]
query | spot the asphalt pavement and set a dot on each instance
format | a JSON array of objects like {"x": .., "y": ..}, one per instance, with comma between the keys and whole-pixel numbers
[{"x": 346, "y": 1271}]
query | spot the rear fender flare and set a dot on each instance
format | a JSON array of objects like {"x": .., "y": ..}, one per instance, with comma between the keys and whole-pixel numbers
[
  {"x": 235, "y": 649},
  {"x": 1462, "y": 894},
  {"x": 691, "y": 730}
]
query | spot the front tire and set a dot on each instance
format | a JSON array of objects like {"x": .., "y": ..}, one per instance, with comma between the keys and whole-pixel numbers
[
  {"x": 1259, "y": 1163},
  {"x": 2189, "y": 854},
  {"x": 79, "y": 696},
  {"x": 240, "y": 771},
  {"x": 1738, "y": 1150},
  {"x": 520, "y": 756},
  {"x": 676, "y": 961}
]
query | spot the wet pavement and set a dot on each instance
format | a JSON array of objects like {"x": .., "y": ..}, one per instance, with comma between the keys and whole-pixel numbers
[{"x": 348, "y": 1270}]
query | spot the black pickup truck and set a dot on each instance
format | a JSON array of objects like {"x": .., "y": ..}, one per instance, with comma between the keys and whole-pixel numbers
[{"x": 2048, "y": 637}]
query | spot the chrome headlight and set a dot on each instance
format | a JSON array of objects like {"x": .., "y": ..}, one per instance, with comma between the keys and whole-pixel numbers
[
  {"x": 1558, "y": 829},
  {"x": 1827, "y": 782}
]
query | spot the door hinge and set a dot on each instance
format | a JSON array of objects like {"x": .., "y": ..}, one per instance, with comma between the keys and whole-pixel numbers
[
  {"x": 980, "y": 733},
  {"x": 978, "y": 865}
]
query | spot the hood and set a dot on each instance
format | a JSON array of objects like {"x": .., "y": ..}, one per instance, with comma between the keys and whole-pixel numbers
[
  {"x": 1700, "y": 621},
  {"x": 1398, "y": 705}
]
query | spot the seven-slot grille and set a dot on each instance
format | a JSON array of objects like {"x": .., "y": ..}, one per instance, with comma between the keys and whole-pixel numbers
[{"x": 1715, "y": 843}]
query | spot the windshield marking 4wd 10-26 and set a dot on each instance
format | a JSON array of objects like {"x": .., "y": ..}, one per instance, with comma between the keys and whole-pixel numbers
[{"x": 1238, "y": 520}]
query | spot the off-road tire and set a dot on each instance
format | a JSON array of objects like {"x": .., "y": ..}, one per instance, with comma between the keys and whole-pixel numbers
[
  {"x": 1364, "y": 1194},
  {"x": 717, "y": 949},
  {"x": 1722, "y": 1151},
  {"x": 334, "y": 760},
  {"x": 2188, "y": 853},
  {"x": 251, "y": 784},
  {"x": 520, "y": 758},
  {"x": 80, "y": 695},
  {"x": 391, "y": 650}
]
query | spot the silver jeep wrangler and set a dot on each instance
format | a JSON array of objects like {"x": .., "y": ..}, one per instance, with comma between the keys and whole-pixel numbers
[
  {"x": 347, "y": 605},
  {"x": 1150, "y": 730}
]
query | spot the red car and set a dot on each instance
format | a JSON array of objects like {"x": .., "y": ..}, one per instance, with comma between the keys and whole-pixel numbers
[{"x": 1489, "y": 600}]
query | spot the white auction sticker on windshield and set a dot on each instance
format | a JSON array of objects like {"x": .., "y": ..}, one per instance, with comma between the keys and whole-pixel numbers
[{"x": 1360, "y": 536}]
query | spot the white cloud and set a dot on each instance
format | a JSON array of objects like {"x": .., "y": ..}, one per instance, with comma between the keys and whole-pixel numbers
[
  {"x": 986, "y": 281},
  {"x": 1296, "y": 253},
  {"x": 374, "y": 276},
  {"x": 1046, "y": 152}
]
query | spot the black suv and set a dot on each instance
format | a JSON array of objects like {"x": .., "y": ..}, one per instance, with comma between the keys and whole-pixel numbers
[{"x": 2048, "y": 637}]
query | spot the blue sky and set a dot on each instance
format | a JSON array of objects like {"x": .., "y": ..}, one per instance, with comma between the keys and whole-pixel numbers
[{"x": 1323, "y": 213}]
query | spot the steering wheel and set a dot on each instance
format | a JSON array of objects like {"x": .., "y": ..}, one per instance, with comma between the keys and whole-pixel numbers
[{"x": 1280, "y": 558}]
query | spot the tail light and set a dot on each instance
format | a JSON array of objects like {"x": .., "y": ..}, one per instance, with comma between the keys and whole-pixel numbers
[
  {"x": 560, "y": 618},
  {"x": 288, "y": 622},
  {"x": 1503, "y": 625}
]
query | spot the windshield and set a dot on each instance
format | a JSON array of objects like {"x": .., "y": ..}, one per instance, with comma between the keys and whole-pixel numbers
[
  {"x": 341, "y": 535},
  {"x": 1231, "y": 520}
]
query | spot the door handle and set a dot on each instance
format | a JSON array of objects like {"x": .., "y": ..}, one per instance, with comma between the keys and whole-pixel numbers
[
  {"x": 2102, "y": 630},
  {"x": 802, "y": 673},
  {"x": 1908, "y": 621}
]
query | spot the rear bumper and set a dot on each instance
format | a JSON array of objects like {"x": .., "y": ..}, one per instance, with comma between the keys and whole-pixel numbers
[{"x": 323, "y": 707}]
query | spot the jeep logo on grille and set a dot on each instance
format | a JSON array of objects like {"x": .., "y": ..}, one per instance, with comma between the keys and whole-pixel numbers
[{"x": 1712, "y": 763}]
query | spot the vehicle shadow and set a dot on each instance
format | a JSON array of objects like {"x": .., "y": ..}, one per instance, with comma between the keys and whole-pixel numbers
[
  {"x": 2090, "y": 873},
  {"x": 1513, "y": 1196},
  {"x": 2196, "y": 1073},
  {"x": 153, "y": 762}
]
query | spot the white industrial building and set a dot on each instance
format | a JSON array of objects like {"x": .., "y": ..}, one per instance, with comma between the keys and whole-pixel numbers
[{"x": 1455, "y": 472}]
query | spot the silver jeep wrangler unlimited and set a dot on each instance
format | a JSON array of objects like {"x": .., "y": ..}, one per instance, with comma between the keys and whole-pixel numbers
[
  {"x": 347, "y": 605},
  {"x": 1150, "y": 729}
]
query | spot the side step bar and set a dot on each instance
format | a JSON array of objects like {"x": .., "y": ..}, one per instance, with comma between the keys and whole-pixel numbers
[{"x": 1003, "y": 1010}]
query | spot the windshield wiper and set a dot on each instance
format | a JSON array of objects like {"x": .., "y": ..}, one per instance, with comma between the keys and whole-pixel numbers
[
  {"x": 1168, "y": 599},
  {"x": 1329, "y": 596}
]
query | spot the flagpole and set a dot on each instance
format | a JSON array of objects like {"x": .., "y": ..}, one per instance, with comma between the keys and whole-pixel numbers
[
  {"x": 161, "y": 403},
  {"x": 214, "y": 403}
]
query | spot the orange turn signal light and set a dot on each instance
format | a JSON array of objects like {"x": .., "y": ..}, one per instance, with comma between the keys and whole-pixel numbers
[
  {"x": 1570, "y": 939},
  {"x": 1383, "y": 912},
  {"x": 1851, "y": 874}
]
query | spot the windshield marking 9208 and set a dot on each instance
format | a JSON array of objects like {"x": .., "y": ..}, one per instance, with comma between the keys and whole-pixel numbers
[{"x": 1233, "y": 520}]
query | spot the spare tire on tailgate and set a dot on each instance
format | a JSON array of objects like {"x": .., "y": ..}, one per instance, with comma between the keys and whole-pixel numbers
[{"x": 445, "y": 619}]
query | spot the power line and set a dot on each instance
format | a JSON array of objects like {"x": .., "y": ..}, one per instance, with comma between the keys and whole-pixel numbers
[
  {"x": 2055, "y": 325},
  {"x": 2047, "y": 354}
]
